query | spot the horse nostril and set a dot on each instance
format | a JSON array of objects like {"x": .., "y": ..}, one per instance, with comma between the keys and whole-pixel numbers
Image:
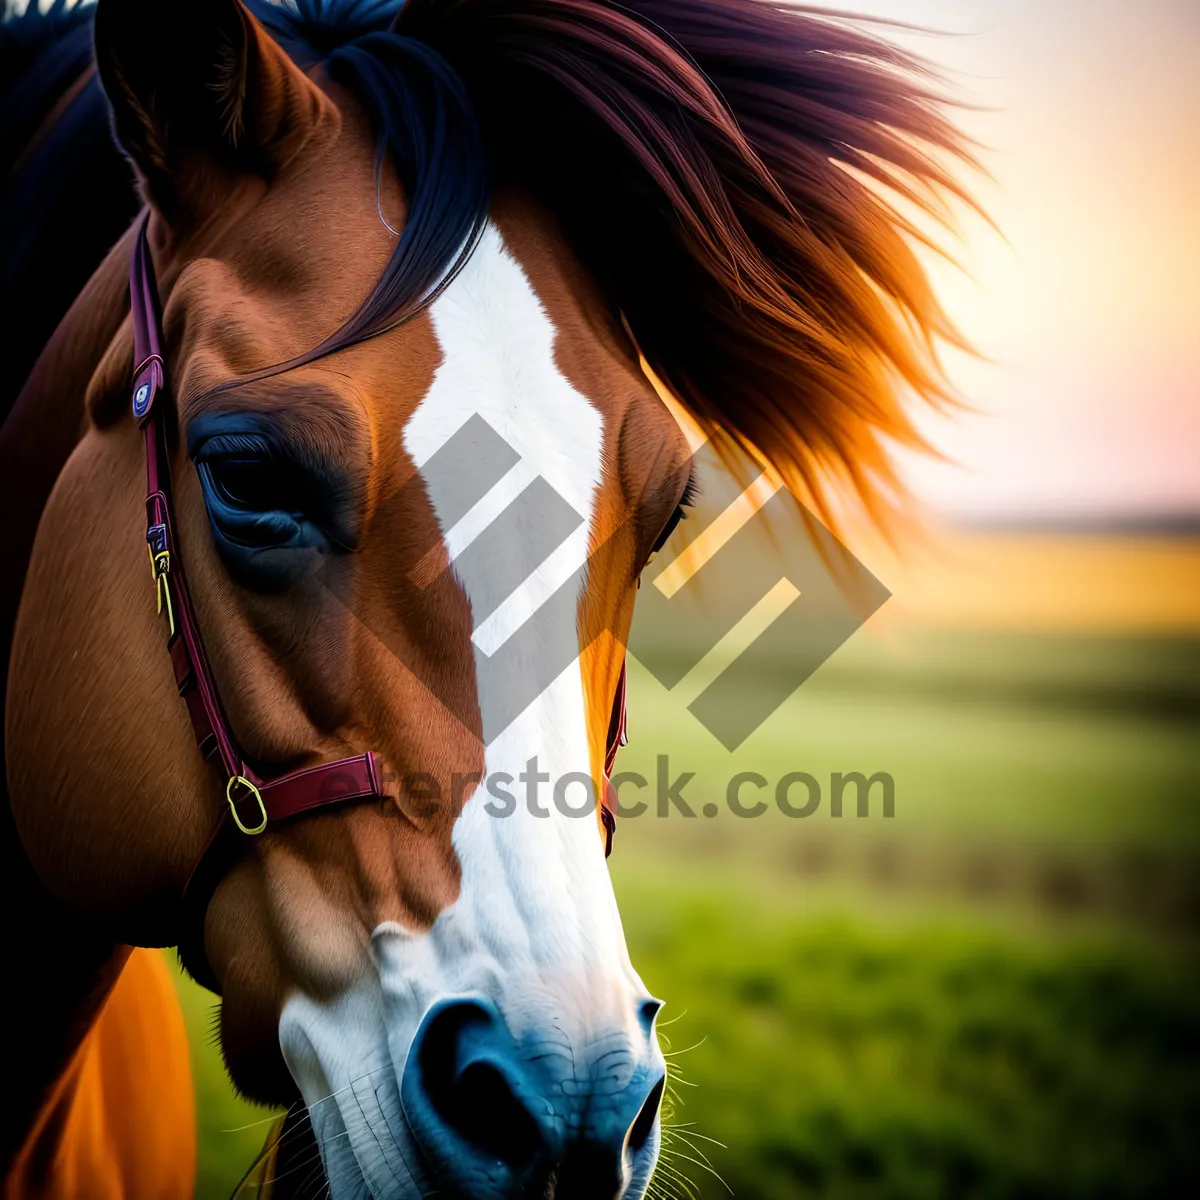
[
  {"x": 464, "y": 1090},
  {"x": 647, "y": 1011},
  {"x": 643, "y": 1125},
  {"x": 493, "y": 1117},
  {"x": 481, "y": 1106}
]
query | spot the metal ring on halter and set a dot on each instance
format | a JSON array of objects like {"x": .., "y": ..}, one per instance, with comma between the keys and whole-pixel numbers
[{"x": 249, "y": 830}]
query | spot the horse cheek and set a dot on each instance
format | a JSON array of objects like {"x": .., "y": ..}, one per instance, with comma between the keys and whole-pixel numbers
[{"x": 101, "y": 772}]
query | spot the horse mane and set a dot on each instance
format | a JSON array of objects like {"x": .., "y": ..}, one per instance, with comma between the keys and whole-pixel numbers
[{"x": 733, "y": 173}]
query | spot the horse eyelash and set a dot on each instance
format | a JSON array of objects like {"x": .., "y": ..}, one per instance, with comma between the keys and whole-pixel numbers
[
  {"x": 686, "y": 501},
  {"x": 691, "y": 492}
]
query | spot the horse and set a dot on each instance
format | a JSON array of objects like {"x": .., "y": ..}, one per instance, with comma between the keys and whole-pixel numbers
[{"x": 420, "y": 290}]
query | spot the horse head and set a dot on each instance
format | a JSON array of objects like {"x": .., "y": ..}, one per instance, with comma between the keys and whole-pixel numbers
[{"x": 417, "y": 469}]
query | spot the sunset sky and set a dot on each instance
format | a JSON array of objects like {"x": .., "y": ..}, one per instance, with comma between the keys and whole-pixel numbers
[{"x": 1091, "y": 311}]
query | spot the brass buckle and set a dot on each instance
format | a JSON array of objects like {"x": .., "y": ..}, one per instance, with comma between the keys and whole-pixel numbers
[
  {"x": 160, "y": 568},
  {"x": 249, "y": 830}
]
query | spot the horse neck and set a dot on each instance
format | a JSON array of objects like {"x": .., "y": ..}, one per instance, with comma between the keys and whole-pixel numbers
[{"x": 62, "y": 972}]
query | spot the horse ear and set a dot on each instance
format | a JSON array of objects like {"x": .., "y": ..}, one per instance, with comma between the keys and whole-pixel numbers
[{"x": 199, "y": 93}]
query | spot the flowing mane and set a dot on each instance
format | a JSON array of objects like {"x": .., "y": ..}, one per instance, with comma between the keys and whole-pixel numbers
[{"x": 722, "y": 167}]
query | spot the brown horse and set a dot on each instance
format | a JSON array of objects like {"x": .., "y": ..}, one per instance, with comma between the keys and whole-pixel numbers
[{"x": 387, "y": 236}]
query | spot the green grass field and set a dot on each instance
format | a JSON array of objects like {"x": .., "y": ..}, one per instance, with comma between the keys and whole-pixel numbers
[
  {"x": 990, "y": 994},
  {"x": 917, "y": 1056}
]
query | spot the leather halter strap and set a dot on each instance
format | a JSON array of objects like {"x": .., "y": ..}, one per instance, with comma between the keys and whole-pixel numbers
[
  {"x": 253, "y": 803},
  {"x": 618, "y": 736}
]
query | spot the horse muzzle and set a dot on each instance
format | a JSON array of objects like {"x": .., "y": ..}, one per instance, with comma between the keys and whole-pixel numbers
[
  {"x": 462, "y": 1099},
  {"x": 501, "y": 1116}
]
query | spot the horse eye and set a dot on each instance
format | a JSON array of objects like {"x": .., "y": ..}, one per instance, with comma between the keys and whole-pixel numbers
[
  {"x": 254, "y": 484},
  {"x": 262, "y": 498},
  {"x": 257, "y": 498}
]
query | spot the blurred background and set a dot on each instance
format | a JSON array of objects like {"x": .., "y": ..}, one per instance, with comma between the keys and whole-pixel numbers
[{"x": 995, "y": 992}]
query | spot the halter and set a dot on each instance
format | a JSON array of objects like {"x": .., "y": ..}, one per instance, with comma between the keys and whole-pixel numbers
[{"x": 253, "y": 804}]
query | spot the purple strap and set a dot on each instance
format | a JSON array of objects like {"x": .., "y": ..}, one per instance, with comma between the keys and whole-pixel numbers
[{"x": 253, "y": 802}]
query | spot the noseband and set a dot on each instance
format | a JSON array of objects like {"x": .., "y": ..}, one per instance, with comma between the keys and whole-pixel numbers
[{"x": 253, "y": 804}]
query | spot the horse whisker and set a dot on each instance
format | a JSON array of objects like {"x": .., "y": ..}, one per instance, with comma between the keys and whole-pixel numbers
[
  {"x": 688, "y": 1186},
  {"x": 672, "y": 1020},
  {"x": 688, "y": 1049},
  {"x": 704, "y": 1166},
  {"x": 675, "y": 1129}
]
